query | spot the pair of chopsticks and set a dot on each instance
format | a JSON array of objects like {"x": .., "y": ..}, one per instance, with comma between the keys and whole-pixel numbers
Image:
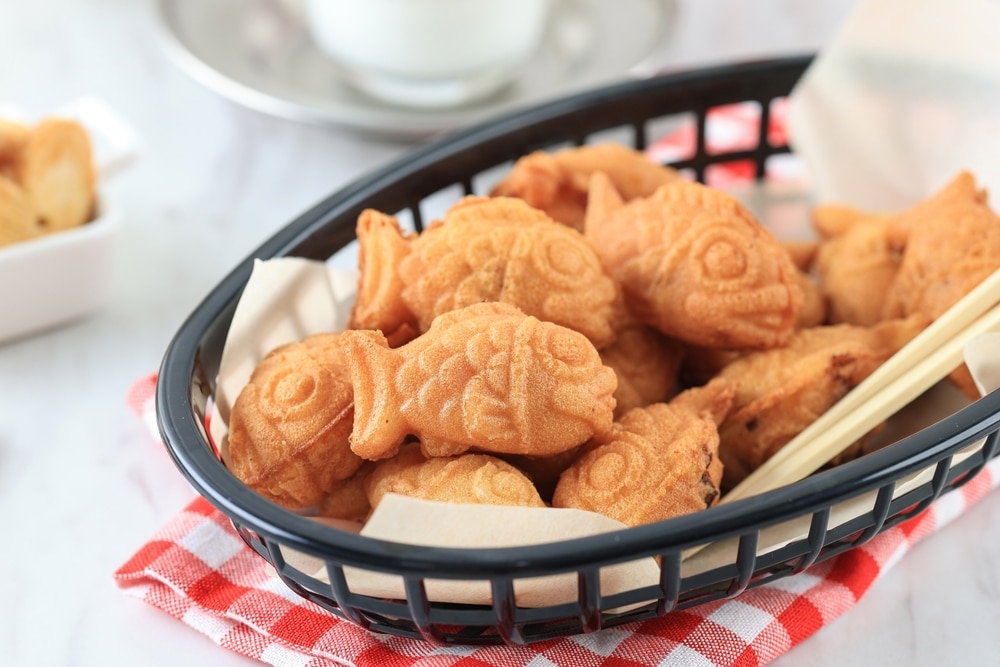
[{"x": 915, "y": 368}]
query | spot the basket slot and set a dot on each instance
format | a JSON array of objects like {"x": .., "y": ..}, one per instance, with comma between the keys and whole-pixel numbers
[
  {"x": 942, "y": 474},
  {"x": 505, "y": 610},
  {"x": 342, "y": 594},
  {"x": 247, "y": 535},
  {"x": 988, "y": 451},
  {"x": 757, "y": 152},
  {"x": 670, "y": 582},
  {"x": 487, "y": 178},
  {"x": 817, "y": 539},
  {"x": 668, "y": 139},
  {"x": 420, "y": 609},
  {"x": 883, "y": 503},
  {"x": 435, "y": 205},
  {"x": 274, "y": 555},
  {"x": 746, "y": 562},
  {"x": 589, "y": 598}
]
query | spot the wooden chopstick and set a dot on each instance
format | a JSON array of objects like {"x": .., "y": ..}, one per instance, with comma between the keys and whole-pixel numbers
[{"x": 924, "y": 361}]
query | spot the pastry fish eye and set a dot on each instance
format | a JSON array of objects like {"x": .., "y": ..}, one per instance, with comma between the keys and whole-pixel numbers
[
  {"x": 722, "y": 255},
  {"x": 561, "y": 262},
  {"x": 568, "y": 347},
  {"x": 293, "y": 387},
  {"x": 293, "y": 392}
]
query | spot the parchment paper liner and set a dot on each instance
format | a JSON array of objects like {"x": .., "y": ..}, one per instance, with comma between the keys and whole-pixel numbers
[
  {"x": 905, "y": 95},
  {"x": 287, "y": 299}
]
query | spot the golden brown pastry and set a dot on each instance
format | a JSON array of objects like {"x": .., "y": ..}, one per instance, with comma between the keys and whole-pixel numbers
[
  {"x": 695, "y": 264},
  {"x": 470, "y": 478},
  {"x": 348, "y": 501},
  {"x": 378, "y": 305},
  {"x": 782, "y": 391},
  {"x": 13, "y": 137},
  {"x": 543, "y": 471},
  {"x": 656, "y": 463},
  {"x": 18, "y": 220},
  {"x": 814, "y": 304},
  {"x": 289, "y": 427},
  {"x": 485, "y": 249},
  {"x": 646, "y": 363},
  {"x": 952, "y": 243},
  {"x": 831, "y": 220},
  {"x": 485, "y": 377},
  {"x": 558, "y": 182},
  {"x": 56, "y": 169},
  {"x": 856, "y": 265},
  {"x": 802, "y": 253}
]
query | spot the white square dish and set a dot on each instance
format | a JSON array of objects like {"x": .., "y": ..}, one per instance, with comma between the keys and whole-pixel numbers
[
  {"x": 59, "y": 277},
  {"x": 63, "y": 276}
]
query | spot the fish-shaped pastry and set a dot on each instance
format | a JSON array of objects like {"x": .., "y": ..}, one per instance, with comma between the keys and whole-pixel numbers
[
  {"x": 782, "y": 391},
  {"x": 382, "y": 245},
  {"x": 657, "y": 462},
  {"x": 694, "y": 263},
  {"x": 478, "y": 479},
  {"x": 289, "y": 426},
  {"x": 484, "y": 249},
  {"x": 485, "y": 377},
  {"x": 557, "y": 182},
  {"x": 950, "y": 243}
]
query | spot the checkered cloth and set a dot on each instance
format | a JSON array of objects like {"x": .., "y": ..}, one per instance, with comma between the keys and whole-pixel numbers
[{"x": 198, "y": 570}]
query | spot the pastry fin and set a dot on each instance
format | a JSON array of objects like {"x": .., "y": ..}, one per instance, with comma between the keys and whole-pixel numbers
[
  {"x": 379, "y": 425},
  {"x": 602, "y": 199}
]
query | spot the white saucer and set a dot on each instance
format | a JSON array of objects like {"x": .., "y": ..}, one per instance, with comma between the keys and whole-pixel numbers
[{"x": 260, "y": 54}]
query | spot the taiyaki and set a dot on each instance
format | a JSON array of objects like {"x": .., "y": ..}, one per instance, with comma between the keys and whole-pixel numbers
[
  {"x": 348, "y": 501},
  {"x": 484, "y": 249},
  {"x": 289, "y": 426},
  {"x": 657, "y": 462},
  {"x": 814, "y": 310},
  {"x": 485, "y": 377},
  {"x": 856, "y": 264},
  {"x": 646, "y": 363},
  {"x": 784, "y": 390},
  {"x": 951, "y": 243},
  {"x": 558, "y": 182},
  {"x": 543, "y": 471},
  {"x": 695, "y": 264},
  {"x": 470, "y": 478},
  {"x": 382, "y": 245}
]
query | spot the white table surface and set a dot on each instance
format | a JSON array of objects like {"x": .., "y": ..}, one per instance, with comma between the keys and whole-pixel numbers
[{"x": 82, "y": 483}]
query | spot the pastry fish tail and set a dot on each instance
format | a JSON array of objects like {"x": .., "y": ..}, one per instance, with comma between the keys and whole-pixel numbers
[{"x": 379, "y": 424}]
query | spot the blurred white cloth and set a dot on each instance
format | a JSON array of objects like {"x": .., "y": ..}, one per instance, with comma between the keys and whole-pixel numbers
[{"x": 905, "y": 96}]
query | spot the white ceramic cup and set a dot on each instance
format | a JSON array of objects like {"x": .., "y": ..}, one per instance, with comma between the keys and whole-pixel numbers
[{"x": 428, "y": 53}]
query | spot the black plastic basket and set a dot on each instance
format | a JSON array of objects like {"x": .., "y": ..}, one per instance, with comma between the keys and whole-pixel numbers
[{"x": 187, "y": 382}]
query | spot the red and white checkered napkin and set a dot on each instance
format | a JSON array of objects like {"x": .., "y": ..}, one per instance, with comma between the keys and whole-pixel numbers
[{"x": 197, "y": 569}]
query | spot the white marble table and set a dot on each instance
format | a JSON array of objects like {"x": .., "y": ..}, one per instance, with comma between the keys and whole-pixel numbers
[{"x": 83, "y": 485}]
